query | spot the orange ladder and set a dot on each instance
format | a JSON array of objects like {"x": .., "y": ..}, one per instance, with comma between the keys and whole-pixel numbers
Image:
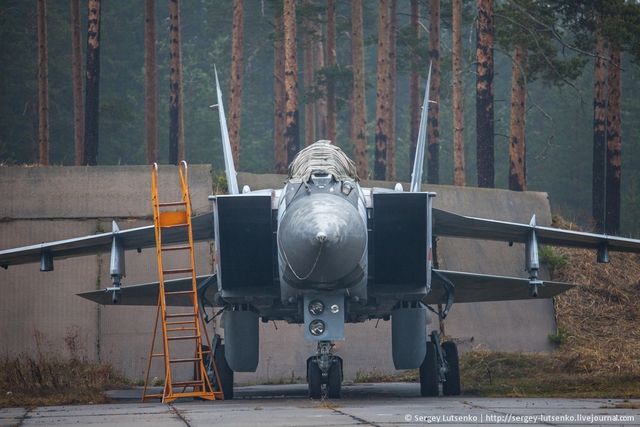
[{"x": 184, "y": 324}]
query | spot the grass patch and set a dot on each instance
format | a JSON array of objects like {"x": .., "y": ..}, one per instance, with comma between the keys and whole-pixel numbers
[
  {"x": 501, "y": 374},
  {"x": 46, "y": 379},
  {"x": 28, "y": 382}
]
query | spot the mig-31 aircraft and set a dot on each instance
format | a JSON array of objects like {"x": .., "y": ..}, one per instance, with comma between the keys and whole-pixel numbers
[{"x": 323, "y": 251}]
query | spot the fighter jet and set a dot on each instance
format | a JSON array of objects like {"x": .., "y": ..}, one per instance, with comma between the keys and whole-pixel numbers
[{"x": 323, "y": 251}]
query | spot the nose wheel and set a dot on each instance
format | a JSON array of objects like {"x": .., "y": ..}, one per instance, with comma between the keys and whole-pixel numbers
[{"x": 324, "y": 369}]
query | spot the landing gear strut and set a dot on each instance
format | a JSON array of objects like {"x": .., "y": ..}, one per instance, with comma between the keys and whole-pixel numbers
[
  {"x": 324, "y": 368},
  {"x": 224, "y": 371},
  {"x": 440, "y": 366}
]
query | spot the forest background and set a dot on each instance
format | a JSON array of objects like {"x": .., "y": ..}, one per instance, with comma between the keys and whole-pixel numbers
[{"x": 559, "y": 127}]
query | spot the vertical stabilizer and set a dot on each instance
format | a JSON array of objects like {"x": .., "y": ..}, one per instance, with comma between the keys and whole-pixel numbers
[
  {"x": 232, "y": 179},
  {"x": 418, "y": 164}
]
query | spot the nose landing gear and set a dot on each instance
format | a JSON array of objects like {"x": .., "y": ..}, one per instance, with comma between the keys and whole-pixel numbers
[{"x": 324, "y": 368}]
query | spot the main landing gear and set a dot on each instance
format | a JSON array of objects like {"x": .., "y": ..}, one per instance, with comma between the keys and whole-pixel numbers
[
  {"x": 440, "y": 366},
  {"x": 224, "y": 371},
  {"x": 324, "y": 368}
]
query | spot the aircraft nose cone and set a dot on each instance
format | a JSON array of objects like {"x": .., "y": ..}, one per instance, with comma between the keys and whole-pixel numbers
[{"x": 322, "y": 238}]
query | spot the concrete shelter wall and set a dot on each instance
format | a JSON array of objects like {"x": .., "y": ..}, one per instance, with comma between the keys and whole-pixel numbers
[
  {"x": 54, "y": 203},
  {"x": 46, "y": 204}
]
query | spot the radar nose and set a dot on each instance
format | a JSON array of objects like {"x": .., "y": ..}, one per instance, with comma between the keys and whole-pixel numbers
[
  {"x": 322, "y": 239},
  {"x": 321, "y": 236}
]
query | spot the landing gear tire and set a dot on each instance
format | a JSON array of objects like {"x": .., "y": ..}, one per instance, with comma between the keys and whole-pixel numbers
[
  {"x": 224, "y": 372},
  {"x": 429, "y": 373},
  {"x": 334, "y": 381},
  {"x": 314, "y": 378},
  {"x": 451, "y": 387}
]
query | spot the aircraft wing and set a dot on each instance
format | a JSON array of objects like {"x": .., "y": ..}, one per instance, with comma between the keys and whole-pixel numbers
[
  {"x": 147, "y": 293},
  {"x": 134, "y": 238},
  {"x": 450, "y": 224},
  {"x": 472, "y": 287}
]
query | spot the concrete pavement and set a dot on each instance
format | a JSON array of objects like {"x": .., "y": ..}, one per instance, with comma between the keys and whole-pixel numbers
[{"x": 363, "y": 404}]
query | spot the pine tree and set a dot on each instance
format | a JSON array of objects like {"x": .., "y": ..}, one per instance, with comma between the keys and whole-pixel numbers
[
  {"x": 151, "y": 81},
  {"x": 382, "y": 100},
  {"x": 176, "y": 125},
  {"x": 484, "y": 94},
  {"x": 92, "y": 87},
  {"x": 43, "y": 83},
  {"x": 235, "y": 104},
  {"x": 360, "y": 112},
  {"x": 78, "y": 104},
  {"x": 459, "y": 169},
  {"x": 292, "y": 132},
  {"x": 433, "y": 147}
]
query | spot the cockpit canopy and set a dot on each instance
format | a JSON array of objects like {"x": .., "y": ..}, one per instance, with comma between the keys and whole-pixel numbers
[{"x": 322, "y": 158}]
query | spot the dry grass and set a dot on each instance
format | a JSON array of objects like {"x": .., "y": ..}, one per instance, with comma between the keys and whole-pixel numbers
[
  {"x": 599, "y": 350},
  {"x": 600, "y": 315},
  {"x": 47, "y": 378}
]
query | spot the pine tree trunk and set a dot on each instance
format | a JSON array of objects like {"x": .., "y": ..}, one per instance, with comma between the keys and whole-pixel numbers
[
  {"x": 43, "y": 85},
  {"x": 176, "y": 120},
  {"x": 459, "y": 169},
  {"x": 612, "y": 221},
  {"x": 517, "y": 159},
  {"x": 76, "y": 64},
  {"x": 382, "y": 100},
  {"x": 433, "y": 149},
  {"x": 360, "y": 106},
  {"x": 235, "y": 103},
  {"x": 92, "y": 87},
  {"x": 332, "y": 60},
  {"x": 292, "y": 132},
  {"x": 599, "y": 141},
  {"x": 484, "y": 95},
  {"x": 151, "y": 81},
  {"x": 321, "y": 104},
  {"x": 309, "y": 107},
  {"x": 414, "y": 85},
  {"x": 391, "y": 137},
  {"x": 279, "y": 102}
]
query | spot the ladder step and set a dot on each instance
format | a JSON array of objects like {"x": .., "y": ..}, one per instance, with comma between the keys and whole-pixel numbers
[
  {"x": 178, "y": 271},
  {"x": 180, "y": 329},
  {"x": 181, "y": 203},
  {"x": 171, "y": 316},
  {"x": 185, "y": 337},
  {"x": 167, "y": 227},
  {"x": 182, "y": 322},
  {"x": 195, "y": 359},
  {"x": 176, "y": 248},
  {"x": 170, "y": 219},
  {"x": 206, "y": 395},
  {"x": 179, "y": 293},
  {"x": 188, "y": 384}
]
